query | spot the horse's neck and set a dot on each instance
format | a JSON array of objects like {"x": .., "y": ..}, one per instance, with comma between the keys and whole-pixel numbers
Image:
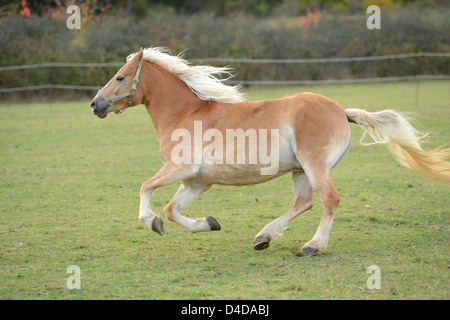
[{"x": 167, "y": 99}]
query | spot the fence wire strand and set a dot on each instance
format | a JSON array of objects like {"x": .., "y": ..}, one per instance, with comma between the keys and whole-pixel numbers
[{"x": 246, "y": 61}]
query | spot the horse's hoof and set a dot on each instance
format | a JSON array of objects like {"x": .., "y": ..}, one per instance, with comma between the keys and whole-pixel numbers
[
  {"x": 261, "y": 242},
  {"x": 309, "y": 251},
  {"x": 213, "y": 224},
  {"x": 158, "y": 225}
]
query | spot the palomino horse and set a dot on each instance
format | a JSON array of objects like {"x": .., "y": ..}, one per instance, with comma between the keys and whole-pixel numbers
[{"x": 311, "y": 132}]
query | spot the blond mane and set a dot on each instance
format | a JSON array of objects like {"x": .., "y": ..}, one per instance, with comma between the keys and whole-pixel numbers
[{"x": 206, "y": 82}]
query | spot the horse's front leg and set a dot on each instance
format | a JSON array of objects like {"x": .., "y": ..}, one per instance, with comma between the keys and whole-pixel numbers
[
  {"x": 169, "y": 174},
  {"x": 187, "y": 193}
]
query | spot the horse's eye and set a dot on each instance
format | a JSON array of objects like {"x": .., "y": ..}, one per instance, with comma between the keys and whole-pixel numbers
[{"x": 120, "y": 78}]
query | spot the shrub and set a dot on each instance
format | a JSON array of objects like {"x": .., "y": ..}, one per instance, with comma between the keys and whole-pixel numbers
[{"x": 205, "y": 35}]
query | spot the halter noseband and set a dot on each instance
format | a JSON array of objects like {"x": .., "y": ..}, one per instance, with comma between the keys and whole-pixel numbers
[{"x": 126, "y": 94}]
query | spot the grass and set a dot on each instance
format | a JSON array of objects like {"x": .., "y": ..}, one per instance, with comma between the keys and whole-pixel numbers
[{"x": 69, "y": 195}]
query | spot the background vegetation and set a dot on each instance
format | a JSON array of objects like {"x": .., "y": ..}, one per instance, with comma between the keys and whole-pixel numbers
[{"x": 241, "y": 29}]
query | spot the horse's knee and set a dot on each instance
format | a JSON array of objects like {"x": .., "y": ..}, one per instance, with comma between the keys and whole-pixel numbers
[
  {"x": 168, "y": 212},
  {"x": 145, "y": 188}
]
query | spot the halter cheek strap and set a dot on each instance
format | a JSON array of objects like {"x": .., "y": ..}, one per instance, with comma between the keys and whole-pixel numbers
[{"x": 130, "y": 93}]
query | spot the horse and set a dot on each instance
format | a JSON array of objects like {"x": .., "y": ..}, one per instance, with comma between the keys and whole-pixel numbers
[{"x": 309, "y": 133}]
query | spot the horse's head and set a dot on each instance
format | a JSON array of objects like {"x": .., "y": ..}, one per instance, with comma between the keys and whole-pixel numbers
[{"x": 119, "y": 92}]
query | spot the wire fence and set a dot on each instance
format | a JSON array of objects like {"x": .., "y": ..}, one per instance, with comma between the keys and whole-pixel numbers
[
  {"x": 329, "y": 60},
  {"x": 416, "y": 77}
]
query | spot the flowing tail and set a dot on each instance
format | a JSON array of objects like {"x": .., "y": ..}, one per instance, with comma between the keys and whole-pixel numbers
[{"x": 403, "y": 141}]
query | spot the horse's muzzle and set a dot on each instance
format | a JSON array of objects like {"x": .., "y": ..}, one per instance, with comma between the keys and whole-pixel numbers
[{"x": 99, "y": 107}]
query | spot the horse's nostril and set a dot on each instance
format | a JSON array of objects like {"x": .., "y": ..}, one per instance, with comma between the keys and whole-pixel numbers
[{"x": 93, "y": 105}]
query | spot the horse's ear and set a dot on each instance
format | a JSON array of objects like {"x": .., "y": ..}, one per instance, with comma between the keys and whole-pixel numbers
[{"x": 139, "y": 56}]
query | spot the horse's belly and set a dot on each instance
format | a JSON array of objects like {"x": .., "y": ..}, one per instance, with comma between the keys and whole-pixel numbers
[
  {"x": 245, "y": 174},
  {"x": 229, "y": 175}
]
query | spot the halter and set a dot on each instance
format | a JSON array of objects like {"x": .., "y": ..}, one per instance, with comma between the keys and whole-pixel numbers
[{"x": 126, "y": 94}]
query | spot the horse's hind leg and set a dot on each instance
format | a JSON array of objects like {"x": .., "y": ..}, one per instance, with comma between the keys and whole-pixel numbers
[
  {"x": 330, "y": 200},
  {"x": 303, "y": 200},
  {"x": 187, "y": 193}
]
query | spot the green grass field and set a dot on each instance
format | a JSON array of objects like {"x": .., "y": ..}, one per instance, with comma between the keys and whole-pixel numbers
[{"x": 69, "y": 195}]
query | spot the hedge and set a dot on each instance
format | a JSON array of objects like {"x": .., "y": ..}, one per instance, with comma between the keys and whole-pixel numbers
[{"x": 205, "y": 35}]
